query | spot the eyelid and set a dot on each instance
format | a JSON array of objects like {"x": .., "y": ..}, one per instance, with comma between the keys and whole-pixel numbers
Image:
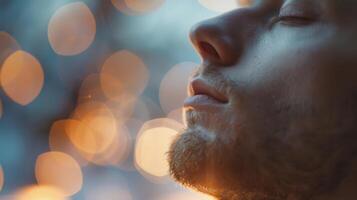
[
  {"x": 298, "y": 10},
  {"x": 295, "y": 14}
]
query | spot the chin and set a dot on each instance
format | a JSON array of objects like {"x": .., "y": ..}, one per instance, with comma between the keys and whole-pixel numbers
[
  {"x": 211, "y": 167},
  {"x": 244, "y": 162},
  {"x": 210, "y": 157}
]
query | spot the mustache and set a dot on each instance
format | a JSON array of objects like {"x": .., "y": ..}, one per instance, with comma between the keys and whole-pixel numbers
[{"x": 215, "y": 78}]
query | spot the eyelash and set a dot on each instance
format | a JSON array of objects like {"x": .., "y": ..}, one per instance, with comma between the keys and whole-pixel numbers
[{"x": 290, "y": 20}]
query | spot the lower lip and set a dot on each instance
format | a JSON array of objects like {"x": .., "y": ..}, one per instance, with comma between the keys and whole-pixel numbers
[{"x": 202, "y": 102}]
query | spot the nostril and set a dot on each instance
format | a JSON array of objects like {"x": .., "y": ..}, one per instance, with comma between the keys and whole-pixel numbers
[{"x": 208, "y": 49}]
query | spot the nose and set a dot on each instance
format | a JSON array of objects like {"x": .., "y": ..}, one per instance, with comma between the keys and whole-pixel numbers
[{"x": 215, "y": 42}]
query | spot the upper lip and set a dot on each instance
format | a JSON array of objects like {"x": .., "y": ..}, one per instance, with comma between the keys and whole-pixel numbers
[{"x": 199, "y": 86}]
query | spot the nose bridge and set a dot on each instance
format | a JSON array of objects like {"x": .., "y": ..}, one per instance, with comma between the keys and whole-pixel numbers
[{"x": 220, "y": 40}]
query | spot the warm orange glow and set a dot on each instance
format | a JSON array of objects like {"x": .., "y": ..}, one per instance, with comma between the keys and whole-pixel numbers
[
  {"x": 8, "y": 46},
  {"x": 59, "y": 141},
  {"x": 40, "y": 192},
  {"x": 2, "y": 178},
  {"x": 123, "y": 74},
  {"x": 90, "y": 89},
  {"x": 122, "y": 7},
  {"x": 173, "y": 88},
  {"x": 177, "y": 115},
  {"x": 82, "y": 137},
  {"x": 93, "y": 129},
  {"x": 152, "y": 145},
  {"x": 144, "y": 6},
  {"x": 219, "y": 5},
  {"x": 22, "y": 77},
  {"x": 132, "y": 107},
  {"x": 116, "y": 152},
  {"x": 59, "y": 170},
  {"x": 72, "y": 29},
  {"x": 186, "y": 196},
  {"x": 245, "y": 2}
]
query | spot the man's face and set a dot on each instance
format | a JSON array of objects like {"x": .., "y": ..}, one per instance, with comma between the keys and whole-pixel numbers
[{"x": 273, "y": 107}]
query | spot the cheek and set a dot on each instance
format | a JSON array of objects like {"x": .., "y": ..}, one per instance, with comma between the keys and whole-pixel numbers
[{"x": 294, "y": 103}]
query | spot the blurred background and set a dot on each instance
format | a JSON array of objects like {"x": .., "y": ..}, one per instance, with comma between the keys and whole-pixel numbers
[{"x": 91, "y": 96}]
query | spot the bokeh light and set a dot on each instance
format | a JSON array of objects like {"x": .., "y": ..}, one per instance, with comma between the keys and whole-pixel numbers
[
  {"x": 144, "y": 6},
  {"x": 90, "y": 89},
  {"x": 186, "y": 196},
  {"x": 2, "y": 178},
  {"x": 178, "y": 115},
  {"x": 93, "y": 127},
  {"x": 40, "y": 192},
  {"x": 121, "y": 6},
  {"x": 129, "y": 107},
  {"x": 102, "y": 82},
  {"x": 116, "y": 152},
  {"x": 8, "y": 45},
  {"x": 22, "y": 77},
  {"x": 173, "y": 88},
  {"x": 245, "y": 2},
  {"x": 72, "y": 29},
  {"x": 60, "y": 141},
  {"x": 153, "y": 142},
  {"x": 123, "y": 73},
  {"x": 220, "y": 5},
  {"x": 59, "y": 170}
]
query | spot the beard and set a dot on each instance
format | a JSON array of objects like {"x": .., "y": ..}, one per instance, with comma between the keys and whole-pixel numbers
[
  {"x": 211, "y": 157},
  {"x": 221, "y": 166}
]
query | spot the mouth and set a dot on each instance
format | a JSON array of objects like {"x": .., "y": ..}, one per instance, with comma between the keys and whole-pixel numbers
[{"x": 203, "y": 96}]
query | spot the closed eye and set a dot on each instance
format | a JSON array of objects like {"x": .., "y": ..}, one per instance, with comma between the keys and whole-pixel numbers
[{"x": 291, "y": 20}]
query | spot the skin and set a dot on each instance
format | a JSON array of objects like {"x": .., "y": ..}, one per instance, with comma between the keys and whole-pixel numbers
[{"x": 289, "y": 128}]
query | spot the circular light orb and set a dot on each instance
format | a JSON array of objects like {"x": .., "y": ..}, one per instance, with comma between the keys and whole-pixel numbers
[
  {"x": 220, "y": 5},
  {"x": 173, "y": 87},
  {"x": 8, "y": 45},
  {"x": 93, "y": 127},
  {"x": 72, "y": 29},
  {"x": 245, "y": 2},
  {"x": 123, "y": 74},
  {"x": 116, "y": 152},
  {"x": 2, "y": 178},
  {"x": 90, "y": 89},
  {"x": 40, "y": 192},
  {"x": 60, "y": 141},
  {"x": 153, "y": 143},
  {"x": 121, "y": 6},
  {"x": 59, "y": 170},
  {"x": 186, "y": 196},
  {"x": 144, "y": 6},
  {"x": 22, "y": 77},
  {"x": 130, "y": 107},
  {"x": 177, "y": 115}
]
